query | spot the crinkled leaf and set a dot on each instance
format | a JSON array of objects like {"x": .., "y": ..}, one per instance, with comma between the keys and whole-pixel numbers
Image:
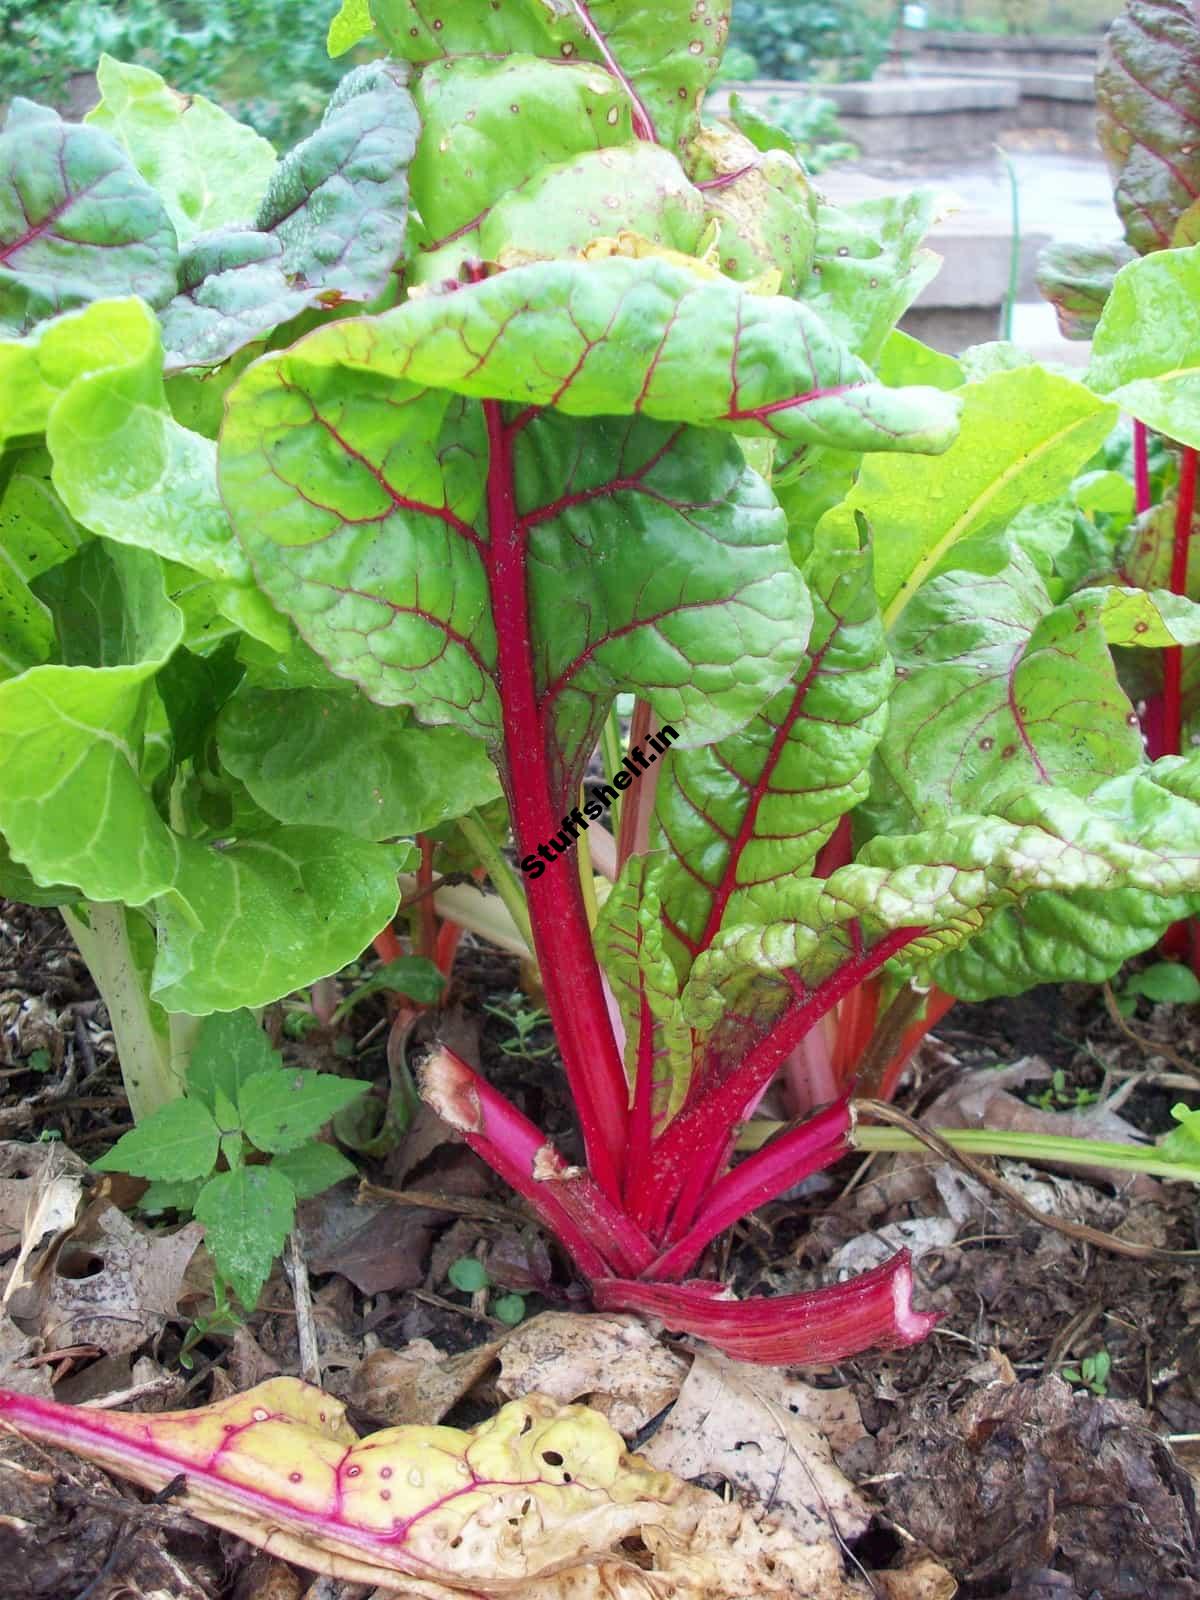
[
  {"x": 330, "y": 229},
  {"x": 998, "y": 688},
  {"x": 1148, "y": 113},
  {"x": 207, "y": 168},
  {"x": 268, "y": 915},
  {"x": 1146, "y": 350},
  {"x": 126, "y": 469},
  {"x": 389, "y": 582},
  {"x": 1077, "y": 280},
  {"x": 1085, "y": 935},
  {"x": 632, "y": 948},
  {"x": 289, "y": 748},
  {"x": 247, "y": 1215},
  {"x": 280, "y": 1110},
  {"x": 869, "y": 266},
  {"x": 662, "y": 55},
  {"x": 36, "y": 370},
  {"x": 77, "y": 223},
  {"x": 755, "y": 809},
  {"x": 1024, "y": 435},
  {"x": 1135, "y": 833},
  {"x": 620, "y": 336},
  {"x": 312, "y": 1168},
  {"x": 178, "y": 1142},
  {"x": 229, "y": 1049},
  {"x": 72, "y": 802}
]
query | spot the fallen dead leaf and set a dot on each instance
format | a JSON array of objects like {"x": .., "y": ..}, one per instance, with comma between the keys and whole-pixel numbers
[
  {"x": 15, "y": 1349},
  {"x": 417, "y": 1383},
  {"x": 613, "y": 1363},
  {"x": 765, "y": 1432},
  {"x": 111, "y": 1283},
  {"x": 924, "y": 1579},
  {"x": 982, "y": 1099},
  {"x": 917, "y": 1234},
  {"x": 47, "y": 1192}
]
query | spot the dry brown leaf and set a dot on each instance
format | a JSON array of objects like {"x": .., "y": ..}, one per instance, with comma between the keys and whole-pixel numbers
[
  {"x": 111, "y": 1284},
  {"x": 766, "y": 1433},
  {"x": 15, "y": 1348},
  {"x": 40, "y": 1192},
  {"x": 917, "y": 1234},
  {"x": 613, "y": 1362},
  {"x": 924, "y": 1579},
  {"x": 981, "y": 1099},
  {"x": 418, "y": 1383}
]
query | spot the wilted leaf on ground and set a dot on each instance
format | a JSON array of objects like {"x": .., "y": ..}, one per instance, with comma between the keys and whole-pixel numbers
[
  {"x": 766, "y": 1433},
  {"x": 50, "y": 1199},
  {"x": 417, "y": 1384},
  {"x": 112, "y": 1284},
  {"x": 612, "y": 1362}
]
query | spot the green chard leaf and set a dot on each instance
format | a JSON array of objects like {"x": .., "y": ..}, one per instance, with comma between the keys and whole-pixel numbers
[
  {"x": 36, "y": 535},
  {"x": 632, "y": 946},
  {"x": 869, "y": 266},
  {"x": 1005, "y": 900},
  {"x": 330, "y": 230},
  {"x": 127, "y": 470},
  {"x": 998, "y": 688},
  {"x": 350, "y": 27},
  {"x": 1148, "y": 111},
  {"x": 178, "y": 1142},
  {"x": 77, "y": 222},
  {"x": 247, "y": 1215},
  {"x": 207, "y": 168},
  {"x": 755, "y": 809},
  {"x": 1077, "y": 280},
  {"x": 1024, "y": 436},
  {"x": 660, "y": 56},
  {"x": 1146, "y": 350},
  {"x": 289, "y": 748},
  {"x": 281, "y": 1110}
]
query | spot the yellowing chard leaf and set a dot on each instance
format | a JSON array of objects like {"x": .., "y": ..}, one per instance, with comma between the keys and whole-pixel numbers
[
  {"x": 1024, "y": 436},
  {"x": 1146, "y": 349},
  {"x": 536, "y": 1488},
  {"x": 208, "y": 169}
]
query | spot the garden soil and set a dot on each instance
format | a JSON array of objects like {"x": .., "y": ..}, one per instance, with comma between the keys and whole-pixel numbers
[{"x": 1023, "y": 1483}]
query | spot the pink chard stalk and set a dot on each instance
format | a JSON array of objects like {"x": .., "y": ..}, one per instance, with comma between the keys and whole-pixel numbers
[{"x": 614, "y": 441}]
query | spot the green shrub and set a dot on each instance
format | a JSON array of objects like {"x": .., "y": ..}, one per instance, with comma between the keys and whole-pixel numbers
[
  {"x": 275, "y": 77},
  {"x": 792, "y": 40}
]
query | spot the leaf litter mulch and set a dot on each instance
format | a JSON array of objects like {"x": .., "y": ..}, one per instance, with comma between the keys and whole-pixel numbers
[{"x": 967, "y": 1465}]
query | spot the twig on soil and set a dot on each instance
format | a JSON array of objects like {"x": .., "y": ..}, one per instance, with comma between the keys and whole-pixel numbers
[
  {"x": 296, "y": 1268},
  {"x": 1075, "y": 1329},
  {"x": 1150, "y": 1046},
  {"x": 1017, "y": 1202},
  {"x": 457, "y": 1204},
  {"x": 432, "y": 1299}
]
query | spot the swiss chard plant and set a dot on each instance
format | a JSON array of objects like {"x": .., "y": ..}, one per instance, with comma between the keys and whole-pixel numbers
[{"x": 535, "y": 386}]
